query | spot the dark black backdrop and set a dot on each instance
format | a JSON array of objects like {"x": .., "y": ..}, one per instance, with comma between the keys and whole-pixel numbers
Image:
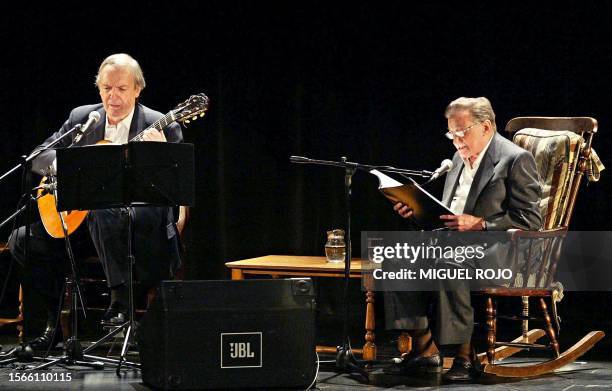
[{"x": 365, "y": 81}]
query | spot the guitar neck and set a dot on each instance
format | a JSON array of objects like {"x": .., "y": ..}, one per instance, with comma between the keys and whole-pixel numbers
[{"x": 158, "y": 125}]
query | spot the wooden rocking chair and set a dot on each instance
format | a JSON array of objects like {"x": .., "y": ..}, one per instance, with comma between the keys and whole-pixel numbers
[{"x": 562, "y": 149}]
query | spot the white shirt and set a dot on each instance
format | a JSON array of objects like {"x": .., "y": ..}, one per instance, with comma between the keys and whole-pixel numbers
[
  {"x": 118, "y": 134},
  {"x": 465, "y": 181}
]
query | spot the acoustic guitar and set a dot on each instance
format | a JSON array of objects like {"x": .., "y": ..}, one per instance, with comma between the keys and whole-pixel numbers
[{"x": 185, "y": 112}]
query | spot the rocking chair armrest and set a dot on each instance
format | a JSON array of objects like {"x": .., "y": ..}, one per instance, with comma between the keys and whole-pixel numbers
[{"x": 516, "y": 234}]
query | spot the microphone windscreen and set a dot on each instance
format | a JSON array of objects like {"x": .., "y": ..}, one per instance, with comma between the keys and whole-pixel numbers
[
  {"x": 95, "y": 116},
  {"x": 448, "y": 163}
]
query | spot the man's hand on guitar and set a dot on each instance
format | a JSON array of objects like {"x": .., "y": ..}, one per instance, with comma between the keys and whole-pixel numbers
[
  {"x": 153, "y": 135},
  {"x": 403, "y": 210}
]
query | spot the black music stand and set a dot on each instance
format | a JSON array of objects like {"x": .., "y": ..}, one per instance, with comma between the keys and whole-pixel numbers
[{"x": 123, "y": 176}]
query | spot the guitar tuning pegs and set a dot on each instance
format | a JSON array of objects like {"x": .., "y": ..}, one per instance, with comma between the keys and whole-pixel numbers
[
  {"x": 187, "y": 121},
  {"x": 194, "y": 117},
  {"x": 202, "y": 114}
]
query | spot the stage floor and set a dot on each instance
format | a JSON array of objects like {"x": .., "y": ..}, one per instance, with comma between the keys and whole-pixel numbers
[{"x": 581, "y": 374}]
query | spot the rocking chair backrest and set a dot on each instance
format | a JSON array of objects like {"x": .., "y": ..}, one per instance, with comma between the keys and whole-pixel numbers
[{"x": 561, "y": 147}]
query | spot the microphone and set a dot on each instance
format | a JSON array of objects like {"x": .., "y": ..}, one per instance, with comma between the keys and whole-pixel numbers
[
  {"x": 92, "y": 119},
  {"x": 445, "y": 166}
]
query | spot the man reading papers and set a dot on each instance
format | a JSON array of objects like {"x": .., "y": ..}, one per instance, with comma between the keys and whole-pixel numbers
[{"x": 493, "y": 185}]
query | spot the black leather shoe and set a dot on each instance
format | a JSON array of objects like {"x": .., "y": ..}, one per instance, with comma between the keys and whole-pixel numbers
[
  {"x": 461, "y": 371},
  {"x": 46, "y": 339},
  {"x": 115, "y": 314},
  {"x": 416, "y": 364}
]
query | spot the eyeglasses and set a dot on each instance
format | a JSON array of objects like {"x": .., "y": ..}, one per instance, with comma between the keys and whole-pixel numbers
[{"x": 460, "y": 133}]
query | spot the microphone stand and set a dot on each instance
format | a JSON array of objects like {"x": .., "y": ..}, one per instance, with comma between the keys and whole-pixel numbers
[
  {"x": 26, "y": 183},
  {"x": 73, "y": 351},
  {"x": 25, "y": 166},
  {"x": 345, "y": 359}
]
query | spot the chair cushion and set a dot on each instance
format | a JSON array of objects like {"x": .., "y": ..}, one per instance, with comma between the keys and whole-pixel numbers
[{"x": 555, "y": 153}]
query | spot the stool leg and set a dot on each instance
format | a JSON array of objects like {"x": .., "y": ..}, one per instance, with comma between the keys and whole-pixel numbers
[
  {"x": 65, "y": 316},
  {"x": 20, "y": 316},
  {"x": 151, "y": 292}
]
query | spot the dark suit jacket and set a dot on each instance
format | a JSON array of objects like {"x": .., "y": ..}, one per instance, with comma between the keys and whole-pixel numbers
[
  {"x": 506, "y": 189},
  {"x": 143, "y": 118}
]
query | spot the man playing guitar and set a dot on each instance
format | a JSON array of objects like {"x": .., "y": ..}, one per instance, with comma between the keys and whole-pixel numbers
[{"x": 120, "y": 82}]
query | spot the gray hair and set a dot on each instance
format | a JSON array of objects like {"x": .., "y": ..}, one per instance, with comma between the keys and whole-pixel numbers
[
  {"x": 122, "y": 60},
  {"x": 480, "y": 109}
]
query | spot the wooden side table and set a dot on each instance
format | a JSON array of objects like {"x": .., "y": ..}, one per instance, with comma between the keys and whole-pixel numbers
[{"x": 301, "y": 266}]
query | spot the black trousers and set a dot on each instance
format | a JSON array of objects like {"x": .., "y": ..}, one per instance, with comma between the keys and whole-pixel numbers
[{"x": 154, "y": 245}]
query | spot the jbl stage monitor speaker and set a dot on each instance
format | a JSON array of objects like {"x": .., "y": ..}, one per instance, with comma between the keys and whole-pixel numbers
[{"x": 229, "y": 334}]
